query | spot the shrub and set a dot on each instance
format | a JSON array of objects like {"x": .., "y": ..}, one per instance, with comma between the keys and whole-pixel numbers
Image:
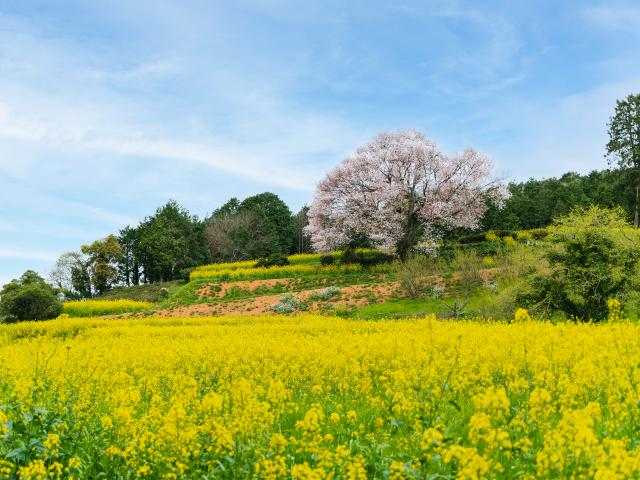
[
  {"x": 275, "y": 260},
  {"x": 416, "y": 275},
  {"x": 288, "y": 304},
  {"x": 437, "y": 292},
  {"x": 365, "y": 257},
  {"x": 327, "y": 260},
  {"x": 185, "y": 273},
  {"x": 28, "y": 298},
  {"x": 325, "y": 294},
  {"x": 468, "y": 270},
  {"x": 593, "y": 256}
]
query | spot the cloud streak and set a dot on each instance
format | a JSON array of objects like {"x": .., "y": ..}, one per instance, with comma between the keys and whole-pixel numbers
[{"x": 15, "y": 253}]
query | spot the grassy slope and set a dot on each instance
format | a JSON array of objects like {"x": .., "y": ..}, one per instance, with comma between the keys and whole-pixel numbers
[
  {"x": 185, "y": 295},
  {"x": 143, "y": 293}
]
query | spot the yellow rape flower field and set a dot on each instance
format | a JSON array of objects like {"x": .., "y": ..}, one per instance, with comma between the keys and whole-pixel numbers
[{"x": 313, "y": 397}]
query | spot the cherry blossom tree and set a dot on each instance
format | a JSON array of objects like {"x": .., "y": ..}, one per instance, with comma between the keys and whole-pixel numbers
[{"x": 399, "y": 190}]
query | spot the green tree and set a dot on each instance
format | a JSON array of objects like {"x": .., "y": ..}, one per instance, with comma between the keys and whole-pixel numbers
[
  {"x": 129, "y": 267},
  {"x": 169, "y": 242},
  {"x": 229, "y": 208},
  {"x": 535, "y": 203},
  {"x": 28, "y": 298},
  {"x": 593, "y": 256},
  {"x": 103, "y": 258},
  {"x": 258, "y": 227},
  {"x": 238, "y": 236},
  {"x": 301, "y": 239},
  {"x": 276, "y": 218},
  {"x": 624, "y": 142},
  {"x": 71, "y": 275}
]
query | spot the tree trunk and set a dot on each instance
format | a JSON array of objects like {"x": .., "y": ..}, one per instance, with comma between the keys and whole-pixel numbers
[
  {"x": 410, "y": 237},
  {"x": 637, "y": 215}
]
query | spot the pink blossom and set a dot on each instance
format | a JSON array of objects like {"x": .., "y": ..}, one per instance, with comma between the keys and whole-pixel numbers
[{"x": 397, "y": 189}]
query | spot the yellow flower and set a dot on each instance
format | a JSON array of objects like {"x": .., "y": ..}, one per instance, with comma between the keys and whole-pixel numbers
[
  {"x": 106, "y": 421},
  {"x": 52, "y": 444},
  {"x": 521, "y": 316},
  {"x": 615, "y": 310},
  {"x": 278, "y": 442}
]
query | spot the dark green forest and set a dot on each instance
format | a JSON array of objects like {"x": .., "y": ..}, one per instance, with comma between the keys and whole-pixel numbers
[{"x": 535, "y": 203}]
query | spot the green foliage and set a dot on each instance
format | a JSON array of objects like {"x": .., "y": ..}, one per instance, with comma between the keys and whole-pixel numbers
[
  {"x": 593, "y": 256},
  {"x": 275, "y": 216},
  {"x": 239, "y": 236},
  {"x": 257, "y": 227},
  {"x": 326, "y": 260},
  {"x": 103, "y": 257},
  {"x": 170, "y": 241},
  {"x": 365, "y": 257},
  {"x": 273, "y": 260},
  {"x": 468, "y": 267},
  {"x": 28, "y": 298},
  {"x": 535, "y": 203},
  {"x": 301, "y": 239},
  {"x": 152, "y": 292},
  {"x": 129, "y": 269},
  {"x": 70, "y": 275},
  {"x": 416, "y": 275},
  {"x": 624, "y": 143},
  {"x": 624, "y": 133}
]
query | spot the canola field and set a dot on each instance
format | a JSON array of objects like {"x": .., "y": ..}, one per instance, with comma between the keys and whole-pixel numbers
[
  {"x": 93, "y": 308},
  {"x": 313, "y": 397}
]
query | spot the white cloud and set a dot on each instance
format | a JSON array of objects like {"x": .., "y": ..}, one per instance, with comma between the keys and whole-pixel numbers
[
  {"x": 263, "y": 138},
  {"x": 15, "y": 253},
  {"x": 565, "y": 134}
]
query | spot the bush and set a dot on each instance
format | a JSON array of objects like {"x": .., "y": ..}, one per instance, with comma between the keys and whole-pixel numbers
[
  {"x": 326, "y": 260},
  {"x": 275, "y": 260},
  {"x": 416, "y": 275},
  {"x": 593, "y": 256},
  {"x": 288, "y": 304},
  {"x": 325, "y": 294},
  {"x": 437, "y": 292},
  {"x": 365, "y": 257},
  {"x": 28, "y": 298},
  {"x": 185, "y": 273},
  {"x": 468, "y": 268}
]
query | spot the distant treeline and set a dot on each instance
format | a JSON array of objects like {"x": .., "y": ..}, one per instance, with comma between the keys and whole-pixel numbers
[
  {"x": 535, "y": 203},
  {"x": 170, "y": 243}
]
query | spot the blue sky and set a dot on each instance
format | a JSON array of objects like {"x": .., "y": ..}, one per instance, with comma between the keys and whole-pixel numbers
[{"x": 108, "y": 109}]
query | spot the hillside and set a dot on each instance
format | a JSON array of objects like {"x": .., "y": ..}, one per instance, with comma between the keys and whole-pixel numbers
[{"x": 370, "y": 289}]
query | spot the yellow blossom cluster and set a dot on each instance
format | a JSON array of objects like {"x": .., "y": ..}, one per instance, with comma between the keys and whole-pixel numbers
[
  {"x": 274, "y": 272},
  {"x": 314, "y": 397},
  {"x": 92, "y": 308}
]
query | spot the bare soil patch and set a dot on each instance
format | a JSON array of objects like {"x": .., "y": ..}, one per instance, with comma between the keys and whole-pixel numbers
[{"x": 351, "y": 296}]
